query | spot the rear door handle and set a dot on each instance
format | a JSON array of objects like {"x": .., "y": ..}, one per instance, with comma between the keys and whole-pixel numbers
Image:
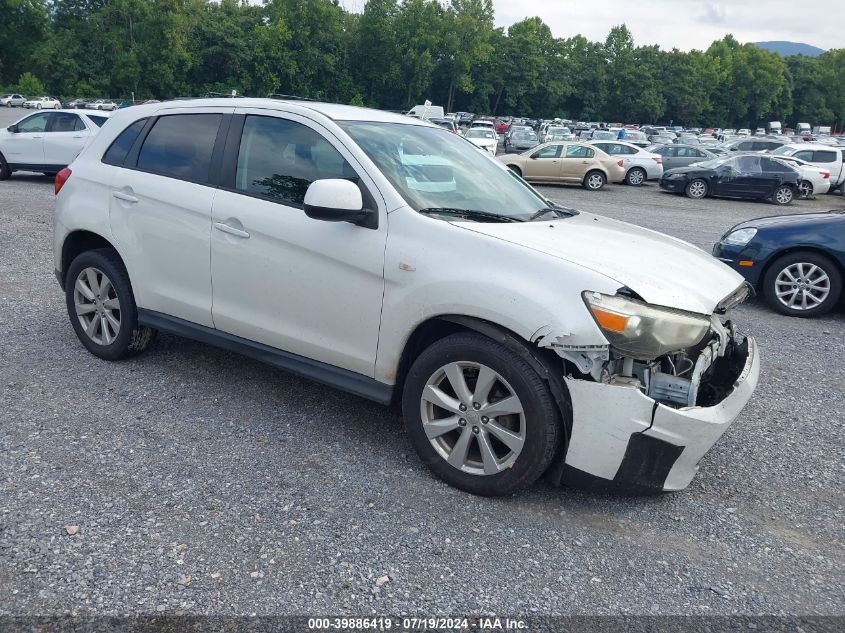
[
  {"x": 231, "y": 230},
  {"x": 124, "y": 196}
]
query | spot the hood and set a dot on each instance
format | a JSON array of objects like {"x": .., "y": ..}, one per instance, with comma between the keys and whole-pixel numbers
[
  {"x": 483, "y": 142},
  {"x": 661, "y": 269},
  {"x": 821, "y": 217}
]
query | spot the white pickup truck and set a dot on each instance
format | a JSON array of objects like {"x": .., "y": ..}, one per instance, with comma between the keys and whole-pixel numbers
[{"x": 824, "y": 156}]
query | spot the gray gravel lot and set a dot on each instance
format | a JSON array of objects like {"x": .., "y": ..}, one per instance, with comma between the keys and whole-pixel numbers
[{"x": 204, "y": 482}]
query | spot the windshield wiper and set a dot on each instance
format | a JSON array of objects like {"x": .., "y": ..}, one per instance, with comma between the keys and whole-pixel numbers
[
  {"x": 561, "y": 212},
  {"x": 469, "y": 214}
]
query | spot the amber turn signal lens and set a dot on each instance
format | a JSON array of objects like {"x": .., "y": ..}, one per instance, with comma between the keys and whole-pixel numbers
[
  {"x": 610, "y": 320},
  {"x": 746, "y": 262}
]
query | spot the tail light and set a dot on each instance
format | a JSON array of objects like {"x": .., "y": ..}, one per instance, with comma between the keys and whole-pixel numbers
[
  {"x": 61, "y": 179},
  {"x": 658, "y": 159},
  {"x": 621, "y": 162},
  {"x": 825, "y": 174}
]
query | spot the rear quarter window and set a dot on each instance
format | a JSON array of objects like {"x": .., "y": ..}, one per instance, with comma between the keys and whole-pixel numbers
[{"x": 119, "y": 149}]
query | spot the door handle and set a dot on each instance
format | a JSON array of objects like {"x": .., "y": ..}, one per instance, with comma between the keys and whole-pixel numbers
[
  {"x": 78, "y": 136},
  {"x": 231, "y": 230},
  {"x": 124, "y": 196}
]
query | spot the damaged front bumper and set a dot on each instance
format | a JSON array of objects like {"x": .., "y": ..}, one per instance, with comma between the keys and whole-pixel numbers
[{"x": 622, "y": 437}]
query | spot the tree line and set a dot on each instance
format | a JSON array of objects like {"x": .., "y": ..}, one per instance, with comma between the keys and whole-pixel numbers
[{"x": 397, "y": 54}]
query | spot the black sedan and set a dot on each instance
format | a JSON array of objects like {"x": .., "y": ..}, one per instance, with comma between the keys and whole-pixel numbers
[
  {"x": 747, "y": 176},
  {"x": 795, "y": 261}
]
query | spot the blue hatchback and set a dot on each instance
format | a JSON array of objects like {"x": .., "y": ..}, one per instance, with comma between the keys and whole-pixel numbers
[{"x": 795, "y": 261}]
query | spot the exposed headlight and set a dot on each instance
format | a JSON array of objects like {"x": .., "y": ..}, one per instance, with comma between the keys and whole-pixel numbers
[
  {"x": 740, "y": 237},
  {"x": 675, "y": 176},
  {"x": 644, "y": 331}
]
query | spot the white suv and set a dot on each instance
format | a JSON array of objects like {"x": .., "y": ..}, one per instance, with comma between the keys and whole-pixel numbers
[{"x": 391, "y": 259}]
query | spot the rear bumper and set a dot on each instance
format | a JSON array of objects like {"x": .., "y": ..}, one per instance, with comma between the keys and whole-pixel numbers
[{"x": 622, "y": 438}]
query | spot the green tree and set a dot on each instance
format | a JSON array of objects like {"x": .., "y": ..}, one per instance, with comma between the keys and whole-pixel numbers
[{"x": 29, "y": 85}]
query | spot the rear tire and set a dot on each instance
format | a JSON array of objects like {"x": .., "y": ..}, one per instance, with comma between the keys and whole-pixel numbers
[
  {"x": 594, "y": 180},
  {"x": 462, "y": 435},
  {"x": 783, "y": 195},
  {"x": 805, "y": 190},
  {"x": 98, "y": 295},
  {"x": 635, "y": 177},
  {"x": 825, "y": 293}
]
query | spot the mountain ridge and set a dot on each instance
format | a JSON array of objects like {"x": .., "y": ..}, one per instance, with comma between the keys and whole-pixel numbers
[{"x": 785, "y": 48}]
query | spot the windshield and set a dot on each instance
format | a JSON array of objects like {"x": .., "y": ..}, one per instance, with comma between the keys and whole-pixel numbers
[
  {"x": 604, "y": 136},
  {"x": 524, "y": 135},
  {"x": 432, "y": 168},
  {"x": 480, "y": 133},
  {"x": 783, "y": 149},
  {"x": 635, "y": 136}
]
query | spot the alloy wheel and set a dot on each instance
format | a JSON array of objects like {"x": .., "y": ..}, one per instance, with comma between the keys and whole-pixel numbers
[
  {"x": 697, "y": 189},
  {"x": 635, "y": 177},
  {"x": 783, "y": 195},
  {"x": 473, "y": 418},
  {"x": 805, "y": 189},
  {"x": 595, "y": 181},
  {"x": 97, "y": 306},
  {"x": 802, "y": 286}
]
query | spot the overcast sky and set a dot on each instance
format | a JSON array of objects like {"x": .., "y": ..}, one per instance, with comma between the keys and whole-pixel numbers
[{"x": 682, "y": 24}]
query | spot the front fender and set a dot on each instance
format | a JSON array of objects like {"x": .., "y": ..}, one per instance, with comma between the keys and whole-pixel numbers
[{"x": 434, "y": 268}]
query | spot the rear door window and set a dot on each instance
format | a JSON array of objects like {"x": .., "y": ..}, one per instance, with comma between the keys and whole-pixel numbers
[
  {"x": 180, "y": 146},
  {"x": 579, "y": 151},
  {"x": 65, "y": 122},
  {"x": 824, "y": 156}
]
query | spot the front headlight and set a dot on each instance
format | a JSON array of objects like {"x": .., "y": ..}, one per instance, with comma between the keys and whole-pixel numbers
[
  {"x": 740, "y": 237},
  {"x": 644, "y": 331},
  {"x": 676, "y": 176}
]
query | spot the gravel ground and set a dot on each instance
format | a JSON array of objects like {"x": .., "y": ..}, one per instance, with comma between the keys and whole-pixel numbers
[{"x": 197, "y": 481}]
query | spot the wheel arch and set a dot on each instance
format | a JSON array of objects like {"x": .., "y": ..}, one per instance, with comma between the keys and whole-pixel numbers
[
  {"x": 788, "y": 250},
  {"x": 78, "y": 242},
  {"x": 549, "y": 366}
]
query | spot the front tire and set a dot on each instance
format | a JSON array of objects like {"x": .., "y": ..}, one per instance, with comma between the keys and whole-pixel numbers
[
  {"x": 697, "y": 189},
  {"x": 783, "y": 195},
  {"x": 102, "y": 308},
  {"x": 802, "y": 284},
  {"x": 479, "y": 416},
  {"x": 594, "y": 181},
  {"x": 635, "y": 177}
]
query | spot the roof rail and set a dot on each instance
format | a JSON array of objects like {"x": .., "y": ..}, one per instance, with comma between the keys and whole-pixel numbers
[{"x": 274, "y": 95}]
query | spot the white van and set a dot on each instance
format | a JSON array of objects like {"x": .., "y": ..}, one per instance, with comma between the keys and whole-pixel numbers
[{"x": 426, "y": 112}]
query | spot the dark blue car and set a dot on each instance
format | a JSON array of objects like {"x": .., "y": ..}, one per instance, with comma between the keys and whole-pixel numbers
[{"x": 795, "y": 261}]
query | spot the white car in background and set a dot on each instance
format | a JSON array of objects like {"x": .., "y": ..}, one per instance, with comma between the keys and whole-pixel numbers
[
  {"x": 103, "y": 104},
  {"x": 42, "y": 103},
  {"x": 826, "y": 157},
  {"x": 640, "y": 165},
  {"x": 46, "y": 141},
  {"x": 814, "y": 180},
  {"x": 484, "y": 138}
]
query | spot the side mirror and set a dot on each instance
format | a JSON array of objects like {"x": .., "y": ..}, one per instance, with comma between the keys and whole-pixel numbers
[
  {"x": 13, "y": 129},
  {"x": 336, "y": 200}
]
